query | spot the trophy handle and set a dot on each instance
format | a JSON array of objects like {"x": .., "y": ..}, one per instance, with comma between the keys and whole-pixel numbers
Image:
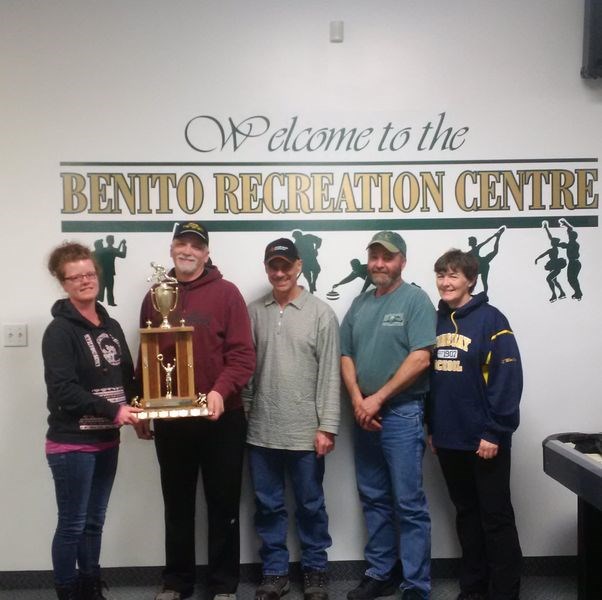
[{"x": 176, "y": 300}]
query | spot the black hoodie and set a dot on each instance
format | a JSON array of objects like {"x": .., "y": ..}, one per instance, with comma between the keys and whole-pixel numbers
[{"x": 89, "y": 374}]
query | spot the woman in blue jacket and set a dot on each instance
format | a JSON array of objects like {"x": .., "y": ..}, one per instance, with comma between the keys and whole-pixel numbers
[{"x": 476, "y": 385}]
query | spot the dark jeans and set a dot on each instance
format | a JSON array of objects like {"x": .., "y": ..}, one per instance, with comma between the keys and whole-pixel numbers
[
  {"x": 82, "y": 482},
  {"x": 480, "y": 491},
  {"x": 306, "y": 470},
  {"x": 216, "y": 448}
]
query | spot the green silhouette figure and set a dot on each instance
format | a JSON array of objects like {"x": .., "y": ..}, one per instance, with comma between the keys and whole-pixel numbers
[
  {"x": 572, "y": 254},
  {"x": 358, "y": 271},
  {"x": 485, "y": 260},
  {"x": 307, "y": 245},
  {"x": 105, "y": 257},
  {"x": 554, "y": 265}
]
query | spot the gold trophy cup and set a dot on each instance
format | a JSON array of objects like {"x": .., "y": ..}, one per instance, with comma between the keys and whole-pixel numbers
[{"x": 165, "y": 298}]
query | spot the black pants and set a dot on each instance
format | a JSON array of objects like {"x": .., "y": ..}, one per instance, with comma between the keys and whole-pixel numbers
[
  {"x": 216, "y": 448},
  {"x": 480, "y": 491}
]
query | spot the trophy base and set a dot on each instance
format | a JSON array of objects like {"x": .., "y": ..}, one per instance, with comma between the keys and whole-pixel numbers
[{"x": 172, "y": 408}]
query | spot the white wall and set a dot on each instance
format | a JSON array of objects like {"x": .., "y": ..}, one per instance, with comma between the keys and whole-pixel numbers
[{"x": 118, "y": 81}]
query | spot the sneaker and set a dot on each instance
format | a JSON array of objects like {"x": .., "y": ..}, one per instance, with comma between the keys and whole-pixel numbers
[
  {"x": 272, "y": 587},
  {"x": 166, "y": 594},
  {"x": 370, "y": 588},
  {"x": 315, "y": 585}
]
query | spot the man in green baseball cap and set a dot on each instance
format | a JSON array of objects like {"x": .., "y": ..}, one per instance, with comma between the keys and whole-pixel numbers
[{"x": 386, "y": 341}]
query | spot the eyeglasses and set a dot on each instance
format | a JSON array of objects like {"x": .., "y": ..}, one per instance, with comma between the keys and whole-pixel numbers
[{"x": 79, "y": 278}]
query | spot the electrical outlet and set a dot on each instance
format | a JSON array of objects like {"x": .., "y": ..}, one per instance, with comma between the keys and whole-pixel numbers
[{"x": 15, "y": 335}]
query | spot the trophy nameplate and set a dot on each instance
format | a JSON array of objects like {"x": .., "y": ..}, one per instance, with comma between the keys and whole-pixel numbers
[{"x": 163, "y": 373}]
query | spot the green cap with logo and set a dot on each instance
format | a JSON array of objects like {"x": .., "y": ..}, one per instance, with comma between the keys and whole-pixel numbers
[{"x": 390, "y": 240}]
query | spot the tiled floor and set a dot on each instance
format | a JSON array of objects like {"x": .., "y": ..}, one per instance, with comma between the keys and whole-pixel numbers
[{"x": 533, "y": 588}]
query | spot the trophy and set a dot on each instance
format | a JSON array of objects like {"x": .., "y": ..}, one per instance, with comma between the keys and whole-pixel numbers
[{"x": 159, "y": 400}]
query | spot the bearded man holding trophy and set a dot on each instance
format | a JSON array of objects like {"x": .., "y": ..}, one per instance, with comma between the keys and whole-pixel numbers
[{"x": 216, "y": 364}]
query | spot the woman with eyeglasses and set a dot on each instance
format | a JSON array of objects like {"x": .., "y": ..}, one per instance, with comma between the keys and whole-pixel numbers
[{"x": 89, "y": 377}]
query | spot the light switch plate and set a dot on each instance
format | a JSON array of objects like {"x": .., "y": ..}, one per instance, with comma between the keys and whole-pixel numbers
[{"x": 15, "y": 335}]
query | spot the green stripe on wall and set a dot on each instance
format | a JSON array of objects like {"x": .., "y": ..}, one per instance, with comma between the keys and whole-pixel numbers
[{"x": 239, "y": 225}]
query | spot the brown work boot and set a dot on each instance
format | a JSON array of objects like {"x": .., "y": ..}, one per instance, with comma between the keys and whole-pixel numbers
[
  {"x": 315, "y": 585},
  {"x": 272, "y": 587}
]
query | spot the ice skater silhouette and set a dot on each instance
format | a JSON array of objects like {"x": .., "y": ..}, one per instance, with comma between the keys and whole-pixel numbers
[
  {"x": 572, "y": 254},
  {"x": 554, "y": 265},
  {"x": 484, "y": 261}
]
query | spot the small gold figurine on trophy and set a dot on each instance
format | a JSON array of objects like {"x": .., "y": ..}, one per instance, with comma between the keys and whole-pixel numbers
[
  {"x": 168, "y": 368},
  {"x": 185, "y": 402}
]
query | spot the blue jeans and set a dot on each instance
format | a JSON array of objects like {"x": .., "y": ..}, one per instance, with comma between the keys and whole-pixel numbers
[
  {"x": 306, "y": 471},
  {"x": 388, "y": 466},
  {"x": 82, "y": 482}
]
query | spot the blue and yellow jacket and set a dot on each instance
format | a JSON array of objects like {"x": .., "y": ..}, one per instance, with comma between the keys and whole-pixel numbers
[{"x": 476, "y": 380}]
